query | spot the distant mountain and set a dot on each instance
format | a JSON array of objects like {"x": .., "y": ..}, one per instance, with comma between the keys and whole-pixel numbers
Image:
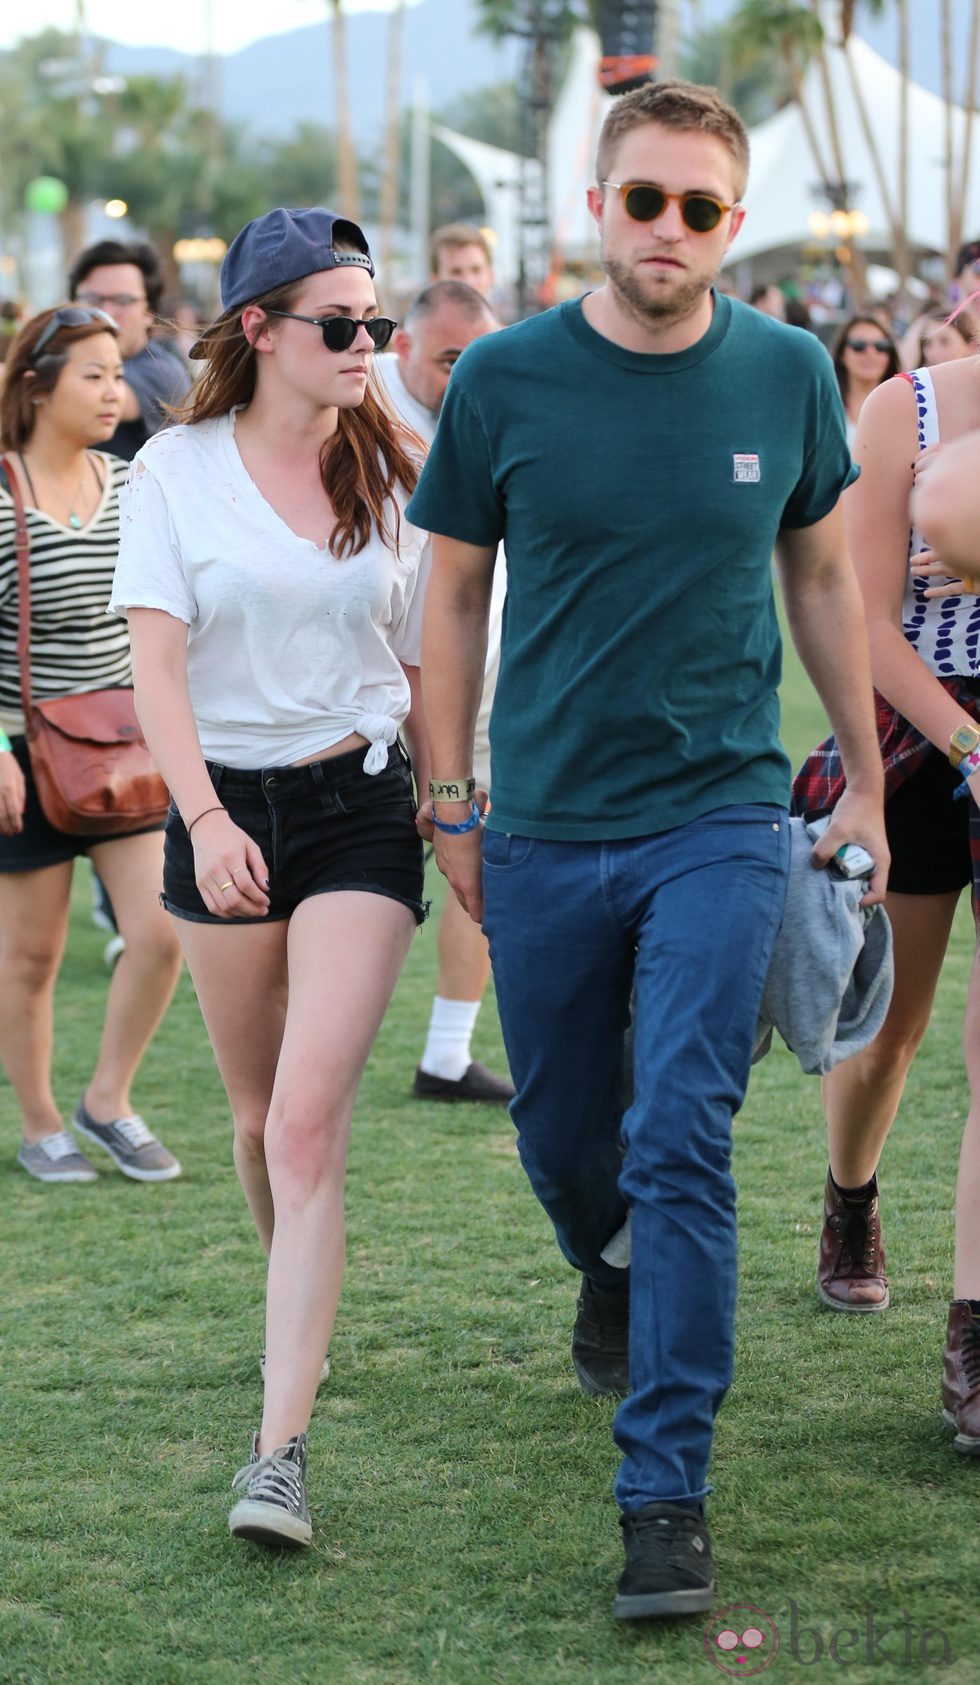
[{"x": 285, "y": 79}]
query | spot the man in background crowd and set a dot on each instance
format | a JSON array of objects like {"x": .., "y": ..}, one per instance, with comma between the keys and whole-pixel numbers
[
  {"x": 769, "y": 299},
  {"x": 124, "y": 280},
  {"x": 438, "y": 326},
  {"x": 461, "y": 252}
]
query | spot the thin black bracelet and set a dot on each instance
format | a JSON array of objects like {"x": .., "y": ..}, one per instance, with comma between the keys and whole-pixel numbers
[{"x": 218, "y": 809}]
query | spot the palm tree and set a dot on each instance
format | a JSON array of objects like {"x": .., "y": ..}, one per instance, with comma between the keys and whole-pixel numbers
[
  {"x": 963, "y": 175},
  {"x": 347, "y": 158},
  {"x": 790, "y": 30},
  {"x": 391, "y": 178},
  {"x": 896, "y": 209}
]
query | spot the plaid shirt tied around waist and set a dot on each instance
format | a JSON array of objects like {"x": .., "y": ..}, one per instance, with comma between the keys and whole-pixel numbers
[{"x": 820, "y": 782}]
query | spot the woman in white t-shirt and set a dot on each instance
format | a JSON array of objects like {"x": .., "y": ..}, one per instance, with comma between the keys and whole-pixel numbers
[{"x": 274, "y": 594}]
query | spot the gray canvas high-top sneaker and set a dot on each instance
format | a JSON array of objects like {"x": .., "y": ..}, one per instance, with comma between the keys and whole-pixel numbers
[{"x": 273, "y": 1509}]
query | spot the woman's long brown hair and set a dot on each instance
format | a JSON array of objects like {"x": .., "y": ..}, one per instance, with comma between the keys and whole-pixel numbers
[{"x": 360, "y": 465}]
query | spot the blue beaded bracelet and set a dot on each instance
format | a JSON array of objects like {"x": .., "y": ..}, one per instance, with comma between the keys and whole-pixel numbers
[{"x": 469, "y": 824}]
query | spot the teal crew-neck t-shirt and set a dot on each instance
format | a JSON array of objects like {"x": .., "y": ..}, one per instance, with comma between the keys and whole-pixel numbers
[{"x": 639, "y": 498}]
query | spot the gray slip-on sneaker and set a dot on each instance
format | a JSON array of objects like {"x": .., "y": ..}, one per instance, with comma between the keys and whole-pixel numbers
[
  {"x": 273, "y": 1509},
  {"x": 130, "y": 1144},
  {"x": 55, "y": 1158}
]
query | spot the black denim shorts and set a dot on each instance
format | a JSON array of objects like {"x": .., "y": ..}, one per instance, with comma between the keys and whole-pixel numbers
[{"x": 325, "y": 826}]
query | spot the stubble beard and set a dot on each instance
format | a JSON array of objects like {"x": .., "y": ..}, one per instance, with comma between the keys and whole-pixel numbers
[{"x": 647, "y": 308}]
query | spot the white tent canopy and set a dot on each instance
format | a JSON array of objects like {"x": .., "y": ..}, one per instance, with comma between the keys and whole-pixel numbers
[{"x": 784, "y": 182}]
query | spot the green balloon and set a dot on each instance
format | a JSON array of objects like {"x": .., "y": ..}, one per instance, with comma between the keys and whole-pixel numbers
[{"x": 46, "y": 193}]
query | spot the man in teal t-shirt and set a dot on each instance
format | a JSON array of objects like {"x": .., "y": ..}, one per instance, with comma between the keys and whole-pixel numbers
[{"x": 642, "y": 452}]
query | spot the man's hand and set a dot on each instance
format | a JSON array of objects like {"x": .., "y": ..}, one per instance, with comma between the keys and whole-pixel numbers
[
  {"x": 858, "y": 818},
  {"x": 459, "y": 858}
]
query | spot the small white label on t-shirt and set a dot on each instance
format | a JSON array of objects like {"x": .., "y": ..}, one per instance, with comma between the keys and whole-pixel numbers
[{"x": 746, "y": 469}]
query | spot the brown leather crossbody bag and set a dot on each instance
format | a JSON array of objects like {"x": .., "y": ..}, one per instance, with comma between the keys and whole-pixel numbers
[{"x": 91, "y": 766}]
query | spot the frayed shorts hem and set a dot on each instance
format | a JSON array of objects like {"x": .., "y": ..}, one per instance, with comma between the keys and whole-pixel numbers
[{"x": 418, "y": 909}]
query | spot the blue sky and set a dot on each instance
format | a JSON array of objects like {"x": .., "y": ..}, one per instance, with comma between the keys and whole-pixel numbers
[{"x": 178, "y": 23}]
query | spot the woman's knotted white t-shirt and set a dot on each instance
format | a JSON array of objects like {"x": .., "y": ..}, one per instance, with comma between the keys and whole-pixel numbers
[{"x": 290, "y": 649}]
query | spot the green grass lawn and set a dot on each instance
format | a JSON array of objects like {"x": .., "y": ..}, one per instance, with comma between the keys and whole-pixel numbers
[{"x": 460, "y": 1482}]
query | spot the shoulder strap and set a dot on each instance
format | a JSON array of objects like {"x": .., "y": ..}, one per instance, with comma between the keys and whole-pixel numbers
[{"x": 23, "y": 546}]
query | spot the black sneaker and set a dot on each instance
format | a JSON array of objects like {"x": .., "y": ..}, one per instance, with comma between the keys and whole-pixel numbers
[
  {"x": 601, "y": 1341},
  {"x": 273, "y": 1509},
  {"x": 668, "y": 1570}
]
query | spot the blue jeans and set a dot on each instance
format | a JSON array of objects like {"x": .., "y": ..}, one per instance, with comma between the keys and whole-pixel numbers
[{"x": 690, "y": 917}]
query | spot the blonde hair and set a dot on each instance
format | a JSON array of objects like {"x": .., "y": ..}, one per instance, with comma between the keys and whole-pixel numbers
[{"x": 677, "y": 105}]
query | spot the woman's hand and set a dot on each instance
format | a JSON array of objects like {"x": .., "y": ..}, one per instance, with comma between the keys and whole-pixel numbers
[
  {"x": 927, "y": 565},
  {"x": 13, "y": 795},
  {"x": 230, "y": 871}
]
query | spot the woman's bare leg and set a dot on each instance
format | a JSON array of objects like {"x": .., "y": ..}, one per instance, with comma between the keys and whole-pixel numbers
[
  {"x": 861, "y": 1096},
  {"x": 966, "y": 1275},
  {"x": 239, "y": 972},
  {"x": 345, "y": 952},
  {"x": 145, "y": 975},
  {"x": 33, "y": 928}
]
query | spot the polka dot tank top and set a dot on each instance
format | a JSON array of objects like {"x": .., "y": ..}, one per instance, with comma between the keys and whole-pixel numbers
[{"x": 944, "y": 631}]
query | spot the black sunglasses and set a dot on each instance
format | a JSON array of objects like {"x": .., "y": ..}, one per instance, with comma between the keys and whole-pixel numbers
[
  {"x": 699, "y": 211},
  {"x": 71, "y": 316},
  {"x": 863, "y": 344},
  {"x": 340, "y": 332}
]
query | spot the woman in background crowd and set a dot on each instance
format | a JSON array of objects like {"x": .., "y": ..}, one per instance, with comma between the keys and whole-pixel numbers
[
  {"x": 924, "y": 641},
  {"x": 938, "y": 336},
  {"x": 864, "y": 355},
  {"x": 61, "y": 397}
]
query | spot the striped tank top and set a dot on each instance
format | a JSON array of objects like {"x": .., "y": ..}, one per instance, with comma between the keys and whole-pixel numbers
[{"x": 75, "y": 645}]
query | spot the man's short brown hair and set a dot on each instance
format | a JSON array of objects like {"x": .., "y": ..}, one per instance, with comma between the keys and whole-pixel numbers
[
  {"x": 451, "y": 236},
  {"x": 677, "y": 105}
]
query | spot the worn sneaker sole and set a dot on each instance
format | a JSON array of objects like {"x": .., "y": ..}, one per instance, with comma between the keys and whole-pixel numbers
[
  {"x": 60, "y": 1175},
  {"x": 853, "y": 1310},
  {"x": 963, "y": 1443},
  {"x": 591, "y": 1386},
  {"x": 169, "y": 1174},
  {"x": 649, "y": 1605},
  {"x": 266, "y": 1524}
]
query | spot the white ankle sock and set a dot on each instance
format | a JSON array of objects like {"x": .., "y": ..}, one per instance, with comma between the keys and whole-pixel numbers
[{"x": 447, "y": 1047}]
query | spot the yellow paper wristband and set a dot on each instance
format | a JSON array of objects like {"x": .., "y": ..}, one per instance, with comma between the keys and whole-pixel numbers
[{"x": 452, "y": 789}]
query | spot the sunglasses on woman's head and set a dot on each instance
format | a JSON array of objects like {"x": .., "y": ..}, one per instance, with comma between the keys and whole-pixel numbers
[
  {"x": 863, "y": 344},
  {"x": 699, "y": 211},
  {"x": 71, "y": 316},
  {"x": 340, "y": 332}
]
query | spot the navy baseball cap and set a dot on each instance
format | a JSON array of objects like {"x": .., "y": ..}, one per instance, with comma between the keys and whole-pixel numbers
[{"x": 285, "y": 246}]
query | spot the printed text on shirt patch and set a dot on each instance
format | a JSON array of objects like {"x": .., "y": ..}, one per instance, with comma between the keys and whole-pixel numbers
[{"x": 746, "y": 470}]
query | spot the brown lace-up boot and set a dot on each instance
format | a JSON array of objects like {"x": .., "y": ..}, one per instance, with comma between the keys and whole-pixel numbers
[
  {"x": 961, "y": 1377},
  {"x": 851, "y": 1271}
]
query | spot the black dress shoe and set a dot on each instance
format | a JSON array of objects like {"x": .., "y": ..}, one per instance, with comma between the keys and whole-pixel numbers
[
  {"x": 476, "y": 1083},
  {"x": 601, "y": 1342}
]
